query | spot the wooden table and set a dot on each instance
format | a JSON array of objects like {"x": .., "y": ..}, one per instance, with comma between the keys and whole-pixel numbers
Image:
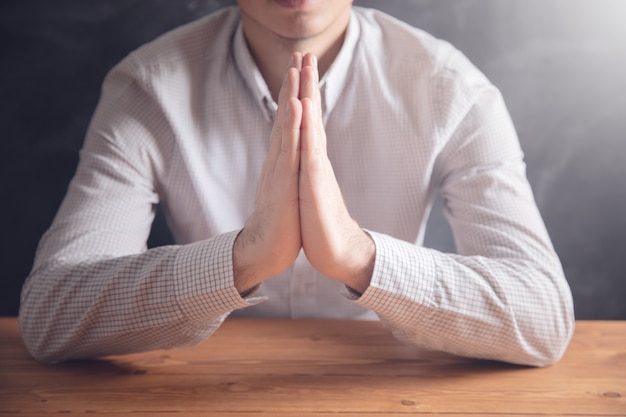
[{"x": 256, "y": 367}]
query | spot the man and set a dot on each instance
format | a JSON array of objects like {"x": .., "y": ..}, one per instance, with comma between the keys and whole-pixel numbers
[{"x": 324, "y": 219}]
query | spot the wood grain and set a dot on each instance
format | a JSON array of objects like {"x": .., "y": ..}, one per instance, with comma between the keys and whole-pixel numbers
[{"x": 313, "y": 368}]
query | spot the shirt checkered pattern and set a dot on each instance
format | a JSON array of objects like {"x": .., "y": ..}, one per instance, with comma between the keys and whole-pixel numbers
[{"x": 184, "y": 122}]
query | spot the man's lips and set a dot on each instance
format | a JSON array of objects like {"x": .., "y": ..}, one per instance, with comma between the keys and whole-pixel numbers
[{"x": 293, "y": 4}]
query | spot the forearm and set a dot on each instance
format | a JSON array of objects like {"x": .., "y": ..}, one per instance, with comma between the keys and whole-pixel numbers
[
  {"x": 163, "y": 298},
  {"x": 504, "y": 309}
]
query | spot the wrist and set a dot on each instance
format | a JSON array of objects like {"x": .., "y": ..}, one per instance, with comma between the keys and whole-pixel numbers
[
  {"x": 361, "y": 260},
  {"x": 244, "y": 272},
  {"x": 255, "y": 260}
]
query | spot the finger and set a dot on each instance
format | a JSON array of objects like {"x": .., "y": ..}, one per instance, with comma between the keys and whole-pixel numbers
[
  {"x": 282, "y": 139},
  {"x": 286, "y": 141},
  {"x": 309, "y": 77},
  {"x": 309, "y": 60},
  {"x": 309, "y": 91},
  {"x": 310, "y": 140},
  {"x": 288, "y": 160},
  {"x": 291, "y": 85},
  {"x": 309, "y": 81},
  {"x": 289, "y": 90},
  {"x": 296, "y": 61}
]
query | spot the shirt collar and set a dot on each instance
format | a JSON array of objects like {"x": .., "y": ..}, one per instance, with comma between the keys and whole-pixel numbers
[
  {"x": 334, "y": 81},
  {"x": 252, "y": 76},
  {"x": 331, "y": 85}
]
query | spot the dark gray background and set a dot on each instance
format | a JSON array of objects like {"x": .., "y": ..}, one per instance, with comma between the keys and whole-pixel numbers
[{"x": 561, "y": 65}]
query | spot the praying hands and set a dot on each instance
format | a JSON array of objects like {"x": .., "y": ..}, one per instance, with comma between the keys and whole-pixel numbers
[{"x": 299, "y": 204}]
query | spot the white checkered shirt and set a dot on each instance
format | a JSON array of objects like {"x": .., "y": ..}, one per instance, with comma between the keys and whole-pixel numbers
[{"x": 184, "y": 122}]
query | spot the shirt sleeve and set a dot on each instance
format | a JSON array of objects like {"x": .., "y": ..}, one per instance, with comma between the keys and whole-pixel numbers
[
  {"x": 95, "y": 289},
  {"x": 503, "y": 295}
]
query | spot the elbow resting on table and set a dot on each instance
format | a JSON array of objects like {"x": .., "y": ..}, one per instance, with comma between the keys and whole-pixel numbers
[
  {"x": 544, "y": 343},
  {"x": 554, "y": 351},
  {"x": 39, "y": 335},
  {"x": 37, "y": 345}
]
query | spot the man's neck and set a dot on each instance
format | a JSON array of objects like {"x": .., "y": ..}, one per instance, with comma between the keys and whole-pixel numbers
[{"x": 272, "y": 53}]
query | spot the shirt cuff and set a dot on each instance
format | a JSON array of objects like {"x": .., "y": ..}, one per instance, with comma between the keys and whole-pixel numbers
[
  {"x": 403, "y": 280},
  {"x": 204, "y": 282}
]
